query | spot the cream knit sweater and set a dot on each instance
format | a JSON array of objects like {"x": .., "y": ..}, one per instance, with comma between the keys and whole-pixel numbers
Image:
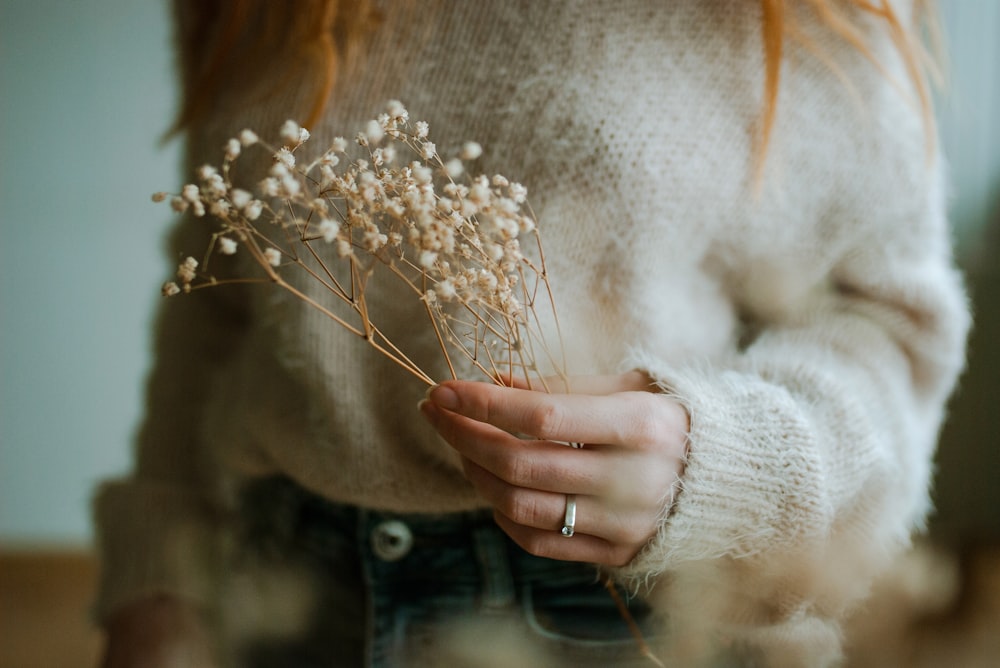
[{"x": 814, "y": 330}]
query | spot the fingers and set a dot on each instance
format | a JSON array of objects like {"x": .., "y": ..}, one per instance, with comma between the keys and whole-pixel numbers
[
  {"x": 631, "y": 419},
  {"x": 632, "y": 381},
  {"x": 553, "y": 545},
  {"x": 617, "y": 521},
  {"x": 540, "y": 465}
]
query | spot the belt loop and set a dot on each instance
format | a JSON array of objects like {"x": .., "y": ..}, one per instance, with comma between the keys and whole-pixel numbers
[{"x": 498, "y": 581}]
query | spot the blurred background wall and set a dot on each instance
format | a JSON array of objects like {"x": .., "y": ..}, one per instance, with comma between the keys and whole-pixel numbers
[{"x": 86, "y": 90}]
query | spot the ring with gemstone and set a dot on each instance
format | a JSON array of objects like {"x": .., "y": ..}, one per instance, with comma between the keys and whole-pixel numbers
[{"x": 569, "y": 521}]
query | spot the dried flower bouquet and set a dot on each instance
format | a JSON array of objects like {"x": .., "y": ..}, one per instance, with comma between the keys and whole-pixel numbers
[{"x": 388, "y": 202}]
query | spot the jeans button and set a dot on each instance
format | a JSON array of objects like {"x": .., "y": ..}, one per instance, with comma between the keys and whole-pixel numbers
[{"x": 391, "y": 540}]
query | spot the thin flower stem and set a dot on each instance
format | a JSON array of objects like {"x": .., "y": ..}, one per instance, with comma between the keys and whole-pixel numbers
[
  {"x": 319, "y": 307},
  {"x": 393, "y": 353},
  {"x": 630, "y": 621}
]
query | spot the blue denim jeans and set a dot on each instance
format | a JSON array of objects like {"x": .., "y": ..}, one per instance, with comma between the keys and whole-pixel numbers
[{"x": 401, "y": 591}]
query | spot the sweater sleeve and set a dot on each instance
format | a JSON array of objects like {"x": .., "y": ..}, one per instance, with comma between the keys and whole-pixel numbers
[
  {"x": 810, "y": 448},
  {"x": 157, "y": 528}
]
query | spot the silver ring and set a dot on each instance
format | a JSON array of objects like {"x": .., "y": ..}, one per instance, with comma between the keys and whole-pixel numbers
[{"x": 569, "y": 521}]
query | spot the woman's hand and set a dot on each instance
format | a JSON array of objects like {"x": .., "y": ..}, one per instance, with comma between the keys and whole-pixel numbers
[
  {"x": 157, "y": 632},
  {"x": 623, "y": 478}
]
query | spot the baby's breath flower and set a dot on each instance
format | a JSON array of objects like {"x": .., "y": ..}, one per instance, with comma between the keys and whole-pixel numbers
[
  {"x": 421, "y": 129},
  {"x": 428, "y": 151},
  {"x": 205, "y": 172},
  {"x": 470, "y": 151},
  {"x": 454, "y": 168},
  {"x": 186, "y": 269},
  {"x": 215, "y": 185},
  {"x": 290, "y": 186},
  {"x": 198, "y": 208},
  {"x": 219, "y": 208},
  {"x": 253, "y": 210},
  {"x": 344, "y": 248},
  {"x": 270, "y": 186},
  {"x": 328, "y": 229},
  {"x": 518, "y": 193},
  {"x": 328, "y": 177},
  {"x": 500, "y": 180},
  {"x": 362, "y": 139},
  {"x": 190, "y": 192},
  {"x": 330, "y": 159},
  {"x": 285, "y": 157},
  {"x": 494, "y": 251},
  {"x": 232, "y": 149},
  {"x": 178, "y": 204},
  {"x": 273, "y": 256},
  {"x": 422, "y": 174},
  {"x": 427, "y": 259},
  {"x": 374, "y": 239},
  {"x": 374, "y": 132},
  {"x": 240, "y": 198},
  {"x": 248, "y": 138},
  {"x": 289, "y": 133},
  {"x": 339, "y": 145},
  {"x": 227, "y": 246},
  {"x": 446, "y": 289},
  {"x": 160, "y": 196},
  {"x": 480, "y": 194},
  {"x": 170, "y": 289},
  {"x": 397, "y": 111}
]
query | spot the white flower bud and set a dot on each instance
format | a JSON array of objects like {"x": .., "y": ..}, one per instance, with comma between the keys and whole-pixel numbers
[
  {"x": 248, "y": 137},
  {"x": 232, "y": 149},
  {"x": 454, "y": 168},
  {"x": 328, "y": 229},
  {"x": 227, "y": 246},
  {"x": 273, "y": 256},
  {"x": 240, "y": 198},
  {"x": 190, "y": 193},
  {"x": 253, "y": 210},
  {"x": 374, "y": 132},
  {"x": 471, "y": 150},
  {"x": 290, "y": 133}
]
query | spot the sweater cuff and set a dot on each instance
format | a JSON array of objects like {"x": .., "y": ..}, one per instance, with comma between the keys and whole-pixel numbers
[
  {"x": 748, "y": 485},
  {"x": 152, "y": 538}
]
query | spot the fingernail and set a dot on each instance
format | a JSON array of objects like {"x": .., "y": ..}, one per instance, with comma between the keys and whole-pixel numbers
[
  {"x": 444, "y": 397},
  {"x": 427, "y": 408}
]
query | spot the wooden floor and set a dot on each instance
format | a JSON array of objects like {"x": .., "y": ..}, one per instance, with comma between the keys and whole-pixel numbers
[
  {"x": 938, "y": 611},
  {"x": 44, "y": 597}
]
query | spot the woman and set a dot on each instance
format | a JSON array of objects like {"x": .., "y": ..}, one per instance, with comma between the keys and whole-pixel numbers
[{"x": 744, "y": 223}]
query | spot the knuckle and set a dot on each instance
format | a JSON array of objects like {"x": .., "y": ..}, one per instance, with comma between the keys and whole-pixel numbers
[
  {"x": 620, "y": 555},
  {"x": 519, "y": 469},
  {"x": 648, "y": 424},
  {"x": 538, "y": 546},
  {"x": 519, "y": 506},
  {"x": 545, "y": 420}
]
